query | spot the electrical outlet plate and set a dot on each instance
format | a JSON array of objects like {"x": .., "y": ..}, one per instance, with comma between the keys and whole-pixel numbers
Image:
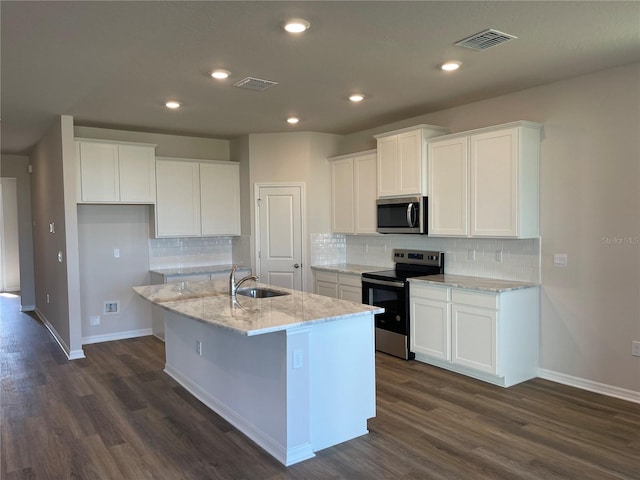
[
  {"x": 94, "y": 320},
  {"x": 635, "y": 349},
  {"x": 198, "y": 347}
]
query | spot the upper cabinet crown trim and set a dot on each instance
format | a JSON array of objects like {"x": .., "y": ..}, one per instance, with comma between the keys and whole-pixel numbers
[
  {"x": 114, "y": 142},
  {"x": 491, "y": 128},
  {"x": 351, "y": 155},
  {"x": 433, "y": 128},
  {"x": 197, "y": 160}
]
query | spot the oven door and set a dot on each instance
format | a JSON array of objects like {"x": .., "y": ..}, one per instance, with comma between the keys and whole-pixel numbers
[{"x": 392, "y": 326}]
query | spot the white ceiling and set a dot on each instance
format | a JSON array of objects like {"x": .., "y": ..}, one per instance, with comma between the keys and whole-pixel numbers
[{"x": 114, "y": 64}]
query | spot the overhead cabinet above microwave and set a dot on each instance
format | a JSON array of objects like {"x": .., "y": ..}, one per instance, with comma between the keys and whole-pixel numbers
[
  {"x": 402, "y": 160},
  {"x": 485, "y": 182}
]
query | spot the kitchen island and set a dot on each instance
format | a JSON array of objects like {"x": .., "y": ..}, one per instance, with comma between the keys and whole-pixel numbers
[{"x": 295, "y": 373}]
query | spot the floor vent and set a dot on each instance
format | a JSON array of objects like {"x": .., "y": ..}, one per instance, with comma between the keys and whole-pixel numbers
[
  {"x": 252, "y": 83},
  {"x": 483, "y": 40}
]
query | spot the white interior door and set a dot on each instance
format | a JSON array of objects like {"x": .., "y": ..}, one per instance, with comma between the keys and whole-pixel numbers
[
  {"x": 279, "y": 235},
  {"x": 9, "y": 241}
]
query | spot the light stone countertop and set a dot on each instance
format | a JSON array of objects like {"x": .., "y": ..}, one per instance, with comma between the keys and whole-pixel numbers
[
  {"x": 350, "y": 268},
  {"x": 198, "y": 269},
  {"x": 209, "y": 302},
  {"x": 473, "y": 283}
]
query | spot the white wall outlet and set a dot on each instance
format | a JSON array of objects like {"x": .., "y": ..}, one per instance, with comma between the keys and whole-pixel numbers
[
  {"x": 111, "y": 307},
  {"x": 499, "y": 256},
  {"x": 198, "y": 347},
  {"x": 560, "y": 259},
  {"x": 298, "y": 358},
  {"x": 635, "y": 349},
  {"x": 116, "y": 253},
  {"x": 48, "y": 298},
  {"x": 94, "y": 320},
  {"x": 52, "y": 228}
]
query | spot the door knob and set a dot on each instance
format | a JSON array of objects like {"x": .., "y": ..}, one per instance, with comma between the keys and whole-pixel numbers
[{"x": 295, "y": 265}]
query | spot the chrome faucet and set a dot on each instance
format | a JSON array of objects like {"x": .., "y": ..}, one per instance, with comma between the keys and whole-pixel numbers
[{"x": 233, "y": 285}]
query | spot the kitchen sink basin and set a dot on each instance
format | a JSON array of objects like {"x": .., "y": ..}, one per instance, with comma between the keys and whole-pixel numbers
[{"x": 257, "y": 292}]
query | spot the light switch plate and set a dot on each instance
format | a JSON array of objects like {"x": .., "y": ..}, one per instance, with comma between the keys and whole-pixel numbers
[{"x": 560, "y": 259}]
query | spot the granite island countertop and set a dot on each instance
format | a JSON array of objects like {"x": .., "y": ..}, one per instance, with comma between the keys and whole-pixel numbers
[
  {"x": 209, "y": 302},
  {"x": 473, "y": 283}
]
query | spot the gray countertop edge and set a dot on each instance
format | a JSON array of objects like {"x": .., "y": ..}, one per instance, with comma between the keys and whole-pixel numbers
[
  {"x": 473, "y": 283},
  {"x": 349, "y": 268}
]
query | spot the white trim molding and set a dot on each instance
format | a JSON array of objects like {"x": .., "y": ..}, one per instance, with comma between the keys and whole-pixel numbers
[
  {"x": 71, "y": 354},
  {"x": 590, "y": 385},
  {"x": 109, "y": 337}
]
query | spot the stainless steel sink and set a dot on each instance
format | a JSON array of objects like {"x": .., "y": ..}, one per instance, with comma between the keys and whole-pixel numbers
[{"x": 258, "y": 292}]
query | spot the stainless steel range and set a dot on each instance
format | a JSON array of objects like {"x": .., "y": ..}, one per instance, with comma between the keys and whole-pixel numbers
[{"x": 390, "y": 289}]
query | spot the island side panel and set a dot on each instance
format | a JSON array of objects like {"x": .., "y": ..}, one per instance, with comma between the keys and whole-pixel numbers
[
  {"x": 343, "y": 390},
  {"x": 243, "y": 379}
]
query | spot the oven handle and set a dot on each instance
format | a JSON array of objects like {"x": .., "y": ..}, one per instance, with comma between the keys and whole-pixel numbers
[{"x": 383, "y": 282}]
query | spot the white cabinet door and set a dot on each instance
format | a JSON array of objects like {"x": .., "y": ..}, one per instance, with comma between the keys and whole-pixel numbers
[
  {"x": 99, "y": 172},
  {"x": 387, "y": 166},
  {"x": 327, "y": 289},
  {"x": 494, "y": 184},
  {"x": 350, "y": 293},
  {"x": 474, "y": 334},
  {"x": 137, "y": 174},
  {"x": 178, "y": 198},
  {"x": 365, "y": 167},
  {"x": 220, "y": 198},
  {"x": 342, "y": 194},
  {"x": 410, "y": 163},
  {"x": 430, "y": 327},
  {"x": 448, "y": 187}
]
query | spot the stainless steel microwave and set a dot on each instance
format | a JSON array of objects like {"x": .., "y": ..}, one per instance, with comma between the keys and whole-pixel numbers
[{"x": 402, "y": 215}]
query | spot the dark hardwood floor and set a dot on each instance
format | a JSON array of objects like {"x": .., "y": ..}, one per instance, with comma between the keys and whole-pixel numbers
[{"x": 116, "y": 415}]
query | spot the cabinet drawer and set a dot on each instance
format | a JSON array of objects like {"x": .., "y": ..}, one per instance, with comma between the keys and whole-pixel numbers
[
  {"x": 326, "y": 277},
  {"x": 476, "y": 299},
  {"x": 442, "y": 294},
  {"x": 352, "y": 280}
]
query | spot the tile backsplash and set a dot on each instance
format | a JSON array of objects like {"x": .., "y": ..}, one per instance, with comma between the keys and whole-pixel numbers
[
  {"x": 190, "y": 252},
  {"x": 507, "y": 259}
]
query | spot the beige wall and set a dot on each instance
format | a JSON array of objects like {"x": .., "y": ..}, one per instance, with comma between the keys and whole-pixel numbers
[
  {"x": 590, "y": 210},
  {"x": 295, "y": 157},
  {"x": 17, "y": 166},
  {"x": 101, "y": 229},
  {"x": 167, "y": 145},
  {"x": 53, "y": 187}
]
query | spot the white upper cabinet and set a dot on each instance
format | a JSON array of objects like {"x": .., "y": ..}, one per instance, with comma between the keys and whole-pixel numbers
[
  {"x": 197, "y": 198},
  {"x": 402, "y": 160},
  {"x": 178, "y": 202},
  {"x": 448, "y": 187},
  {"x": 220, "y": 198},
  {"x": 485, "y": 183},
  {"x": 113, "y": 172},
  {"x": 353, "y": 193}
]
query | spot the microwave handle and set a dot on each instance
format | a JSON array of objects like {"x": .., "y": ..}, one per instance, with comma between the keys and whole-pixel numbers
[{"x": 410, "y": 216}]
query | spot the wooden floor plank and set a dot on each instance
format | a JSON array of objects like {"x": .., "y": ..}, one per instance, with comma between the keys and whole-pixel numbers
[{"x": 116, "y": 414}]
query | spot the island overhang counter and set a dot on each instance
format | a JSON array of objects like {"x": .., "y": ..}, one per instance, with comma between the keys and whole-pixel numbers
[{"x": 295, "y": 373}]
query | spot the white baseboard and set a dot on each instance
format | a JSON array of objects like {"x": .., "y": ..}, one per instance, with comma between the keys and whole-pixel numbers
[
  {"x": 109, "y": 337},
  {"x": 71, "y": 354},
  {"x": 590, "y": 385}
]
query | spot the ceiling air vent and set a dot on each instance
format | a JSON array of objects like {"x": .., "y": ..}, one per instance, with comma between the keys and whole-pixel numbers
[
  {"x": 252, "y": 83},
  {"x": 483, "y": 40}
]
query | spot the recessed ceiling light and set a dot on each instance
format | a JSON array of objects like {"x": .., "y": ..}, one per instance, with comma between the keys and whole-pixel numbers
[
  {"x": 220, "y": 74},
  {"x": 450, "y": 66},
  {"x": 172, "y": 104},
  {"x": 356, "y": 97},
  {"x": 293, "y": 120},
  {"x": 296, "y": 25}
]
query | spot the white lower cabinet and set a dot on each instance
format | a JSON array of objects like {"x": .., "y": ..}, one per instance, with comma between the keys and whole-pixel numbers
[
  {"x": 344, "y": 286},
  {"x": 489, "y": 336}
]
